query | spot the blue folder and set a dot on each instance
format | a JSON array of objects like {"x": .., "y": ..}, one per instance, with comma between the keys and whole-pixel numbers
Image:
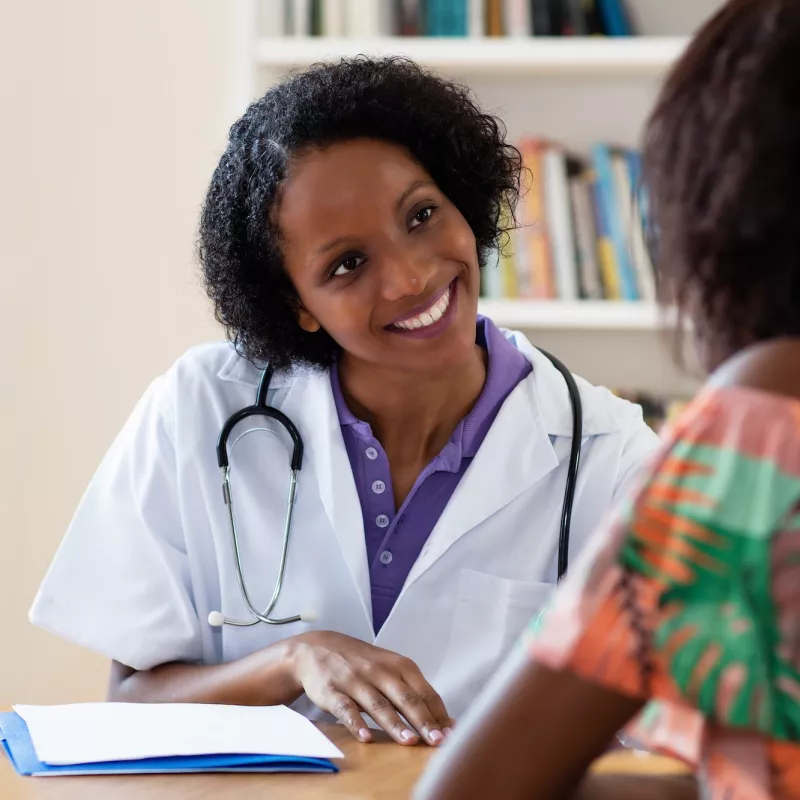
[{"x": 16, "y": 741}]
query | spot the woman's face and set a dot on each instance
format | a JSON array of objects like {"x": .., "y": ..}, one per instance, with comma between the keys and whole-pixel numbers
[{"x": 379, "y": 257}]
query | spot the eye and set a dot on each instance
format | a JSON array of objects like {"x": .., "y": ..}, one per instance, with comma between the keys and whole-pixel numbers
[
  {"x": 346, "y": 265},
  {"x": 422, "y": 216}
]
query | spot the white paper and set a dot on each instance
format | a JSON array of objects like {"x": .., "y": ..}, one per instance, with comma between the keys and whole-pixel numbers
[{"x": 91, "y": 732}]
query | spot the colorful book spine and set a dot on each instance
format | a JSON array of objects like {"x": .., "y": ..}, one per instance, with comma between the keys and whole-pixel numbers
[
  {"x": 609, "y": 195},
  {"x": 535, "y": 234},
  {"x": 559, "y": 223},
  {"x": 615, "y": 19},
  {"x": 609, "y": 272},
  {"x": 494, "y": 17},
  {"x": 645, "y": 271}
]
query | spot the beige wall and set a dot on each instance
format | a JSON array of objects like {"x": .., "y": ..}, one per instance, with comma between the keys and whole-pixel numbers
[{"x": 113, "y": 114}]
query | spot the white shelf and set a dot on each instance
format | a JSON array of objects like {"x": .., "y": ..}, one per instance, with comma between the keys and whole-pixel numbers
[
  {"x": 636, "y": 56},
  {"x": 583, "y": 315}
]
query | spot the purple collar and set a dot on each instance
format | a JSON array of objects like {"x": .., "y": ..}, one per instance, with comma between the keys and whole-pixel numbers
[{"x": 506, "y": 368}]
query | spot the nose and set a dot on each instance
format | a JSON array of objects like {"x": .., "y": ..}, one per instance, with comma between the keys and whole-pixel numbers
[{"x": 406, "y": 275}]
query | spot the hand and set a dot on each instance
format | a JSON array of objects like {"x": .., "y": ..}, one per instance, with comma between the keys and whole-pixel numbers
[{"x": 345, "y": 677}]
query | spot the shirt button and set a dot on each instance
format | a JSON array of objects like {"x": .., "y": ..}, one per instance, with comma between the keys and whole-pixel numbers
[
  {"x": 379, "y": 487},
  {"x": 386, "y": 557},
  {"x": 381, "y": 520},
  {"x": 372, "y": 453}
]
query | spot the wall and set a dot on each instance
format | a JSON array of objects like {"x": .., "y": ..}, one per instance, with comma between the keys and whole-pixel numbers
[{"x": 113, "y": 116}]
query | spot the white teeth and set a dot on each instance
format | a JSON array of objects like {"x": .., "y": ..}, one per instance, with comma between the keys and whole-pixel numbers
[{"x": 426, "y": 318}]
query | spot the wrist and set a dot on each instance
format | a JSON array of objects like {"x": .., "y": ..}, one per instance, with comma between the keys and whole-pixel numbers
[{"x": 274, "y": 675}]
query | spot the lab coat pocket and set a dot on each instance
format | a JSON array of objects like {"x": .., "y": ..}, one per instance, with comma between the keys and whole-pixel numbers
[{"x": 489, "y": 616}]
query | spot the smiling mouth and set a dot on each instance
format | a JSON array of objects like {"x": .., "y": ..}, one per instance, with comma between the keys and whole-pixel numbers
[{"x": 430, "y": 316}]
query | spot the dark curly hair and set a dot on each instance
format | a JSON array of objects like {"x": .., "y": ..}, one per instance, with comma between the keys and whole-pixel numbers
[
  {"x": 722, "y": 168},
  {"x": 392, "y": 99}
]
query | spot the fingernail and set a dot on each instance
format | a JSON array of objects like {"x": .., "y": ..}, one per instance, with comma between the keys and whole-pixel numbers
[
  {"x": 364, "y": 735},
  {"x": 447, "y": 732},
  {"x": 408, "y": 736},
  {"x": 435, "y": 737}
]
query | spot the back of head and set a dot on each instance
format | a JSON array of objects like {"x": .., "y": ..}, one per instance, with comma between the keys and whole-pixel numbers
[{"x": 722, "y": 163}]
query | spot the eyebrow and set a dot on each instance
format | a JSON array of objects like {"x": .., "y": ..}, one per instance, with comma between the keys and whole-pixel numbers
[{"x": 400, "y": 200}]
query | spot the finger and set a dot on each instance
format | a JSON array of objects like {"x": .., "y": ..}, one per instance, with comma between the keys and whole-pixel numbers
[
  {"x": 349, "y": 714},
  {"x": 412, "y": 706},
  {"x": 429, "y": 696},
  {"x": 380, "y": 708}
]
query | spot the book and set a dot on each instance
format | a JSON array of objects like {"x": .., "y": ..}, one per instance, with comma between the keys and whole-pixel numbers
[
  {"x": 575, "y": 19},
  {"x": 298, "y": 17},
  {"x": 591, "y": 16},
  {"x": 476, "y": 18},
  {"x": 332, "y": 18},
  {"x": 640, "y": 253},
  {"x": 609, "y": 272},
  {"x": 533, "y": 238},
  {"x": 517, "y": 17},
  {"x": 615, "y": 18},
  {"x": 590, "y": 285},
  {"x": 557, "y": 15},
  {"x": 368, "y": 18},
  {"x": 494, "y": 17},
  {"x": 410, "y": 21},
  {"x": 540, "y": 18},
  {"x": 611, "y": 197},
  {"x": 580, "y": 228},
  {"x": 559, "y": 223},
  {"x": 131, "y": 738}
]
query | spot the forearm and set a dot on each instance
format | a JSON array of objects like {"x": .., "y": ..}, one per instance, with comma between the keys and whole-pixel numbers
[{"x": 263, "y": 678}]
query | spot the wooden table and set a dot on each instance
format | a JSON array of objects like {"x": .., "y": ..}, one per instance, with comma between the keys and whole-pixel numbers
[{"x": 378, "y": 771}]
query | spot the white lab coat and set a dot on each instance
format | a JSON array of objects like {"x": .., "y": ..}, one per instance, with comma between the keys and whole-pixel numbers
[{"x": 148, "y": 554}]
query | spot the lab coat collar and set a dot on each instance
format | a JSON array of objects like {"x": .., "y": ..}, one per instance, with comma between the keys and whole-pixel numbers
[
  {"x": 516, "y": 453},
  {"x": 311, "y": 405},
  {"x": 600, "y": 407}
]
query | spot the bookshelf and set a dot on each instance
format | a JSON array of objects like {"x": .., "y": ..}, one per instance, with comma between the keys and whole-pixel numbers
[
  {"x": 529, "y": 57},
  {"x": 577, "y": 91},
  {"x": 580, "y": 315}
]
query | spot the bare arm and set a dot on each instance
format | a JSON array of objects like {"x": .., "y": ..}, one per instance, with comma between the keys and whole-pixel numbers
[
  {"x": 341, "y": 675},
  {"x": 263, "y": 678},
  {"x": 535, "y": 734}
]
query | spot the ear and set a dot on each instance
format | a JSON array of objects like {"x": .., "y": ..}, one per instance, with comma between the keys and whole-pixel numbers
[{"x": 306, "y": 320}]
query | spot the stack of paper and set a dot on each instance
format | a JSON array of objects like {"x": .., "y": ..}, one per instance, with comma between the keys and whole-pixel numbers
[{"x": 124, "y": 738}]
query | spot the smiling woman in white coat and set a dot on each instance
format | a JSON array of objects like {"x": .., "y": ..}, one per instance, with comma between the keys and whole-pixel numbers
[{"x": 341, "y": 242}]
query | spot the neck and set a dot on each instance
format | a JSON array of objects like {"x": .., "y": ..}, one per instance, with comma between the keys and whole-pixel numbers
[{"x": 412, "y": 415}]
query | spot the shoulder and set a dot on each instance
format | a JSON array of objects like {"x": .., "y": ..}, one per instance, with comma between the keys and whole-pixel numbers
[
  {"x": 218, "y": 364},
  {"x": 209, "y": 382},
  {"x": 603, "y": 411},
  {"x": 772, "y": 367}
]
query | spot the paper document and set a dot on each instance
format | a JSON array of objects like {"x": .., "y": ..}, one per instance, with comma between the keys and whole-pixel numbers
[{"x": 93, "y": 732}]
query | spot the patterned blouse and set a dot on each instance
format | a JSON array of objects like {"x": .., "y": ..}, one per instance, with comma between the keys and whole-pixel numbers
[{"x": 690, "y": 598}]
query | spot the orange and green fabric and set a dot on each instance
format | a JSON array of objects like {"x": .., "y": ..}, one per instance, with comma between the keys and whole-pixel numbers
[{"x": 690, "y": 597}]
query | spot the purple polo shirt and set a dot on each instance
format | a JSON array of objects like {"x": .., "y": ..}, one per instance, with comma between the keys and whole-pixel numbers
[{"x": 395, "y": 537}]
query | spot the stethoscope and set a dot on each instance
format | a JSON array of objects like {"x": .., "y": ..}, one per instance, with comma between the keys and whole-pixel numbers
[{"x": 217, "y": 618}]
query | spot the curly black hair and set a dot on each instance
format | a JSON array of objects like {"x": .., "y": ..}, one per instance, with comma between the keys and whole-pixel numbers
[
  {"x": 392, "y": 99},
  {"x": 721, "y": 165}
]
